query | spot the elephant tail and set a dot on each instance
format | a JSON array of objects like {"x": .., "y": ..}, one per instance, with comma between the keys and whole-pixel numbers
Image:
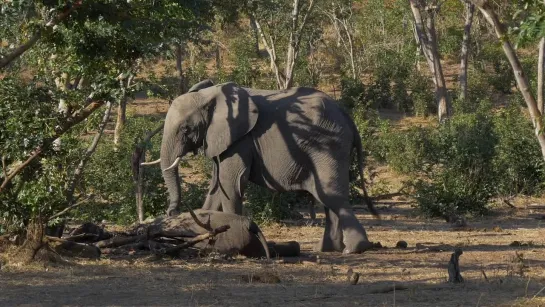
[
  {"x": 359, "y": 154},
  {"x": 259, "y": 234}
]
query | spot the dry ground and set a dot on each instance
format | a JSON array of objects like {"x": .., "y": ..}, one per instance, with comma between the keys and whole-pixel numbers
[{"x": 304, "y": 282}]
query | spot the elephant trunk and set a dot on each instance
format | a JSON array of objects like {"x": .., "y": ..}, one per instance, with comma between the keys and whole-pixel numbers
[
  {"x": 254, "y": 229},
  {"x": 170, "y": 151}
]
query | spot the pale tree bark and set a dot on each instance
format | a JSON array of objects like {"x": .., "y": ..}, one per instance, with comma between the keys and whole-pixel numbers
[
  {"x": 17, "y": 52},
  {"x": 469, "y": 8},
  {"x": 427, "y": 37},
  {"x": 540, "y": 68},
  {"x": 256, "y": 35},
  {"x": 124, "y": 83},
  {"x": 182, "y": 86},
  {"x": 268, "y": 42},
  {"x": 285, "y": 80},
  {"x": 522, "y": 81},
  {"x": 345, "y": 35},
  {"x": 78, "y": 173}
]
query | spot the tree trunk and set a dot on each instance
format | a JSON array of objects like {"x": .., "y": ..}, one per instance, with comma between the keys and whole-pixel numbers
[
  {"x": 470, "y": 8},
  {"x": 121, "y": 110},
  {"x": 256, "y": 35},
  {"x": 78, "y": 173},
  {"x": 540, "y": 68},
  {"x": 520, "y": 76},
  {"x": 139, "y": 156},
  {"x": 426, "y": 34},
  {"x": 182, "y": 87}
]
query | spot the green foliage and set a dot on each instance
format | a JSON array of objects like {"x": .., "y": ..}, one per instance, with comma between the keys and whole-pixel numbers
[
  {"x": 450, "y": 42},
  {"x": 518, "y": 158},
  {"x": 529, "y": 21},
  {"x": 243, "y": 54},
  {"x": 109, "y": 176},
  {"x": 458, "y": 167},
  {"x": 421, "y": 95},
  {"x": 265, "y": 206}
]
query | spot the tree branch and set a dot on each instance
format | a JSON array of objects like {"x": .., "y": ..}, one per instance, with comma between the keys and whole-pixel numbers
[
  {"x": 72, "y": 206},
  {"x": 75, "y": 119},
  {"x": 36, "y": 36},
  {"x": 78, "y": 173}
]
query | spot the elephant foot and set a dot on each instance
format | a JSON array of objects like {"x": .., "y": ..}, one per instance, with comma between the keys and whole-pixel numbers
[
  {"x": 358, "y": 248},
  {"x": 328, "y": 246}
]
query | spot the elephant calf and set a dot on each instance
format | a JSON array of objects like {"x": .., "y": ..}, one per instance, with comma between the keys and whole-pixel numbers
[{"x": 243, "y": 237}]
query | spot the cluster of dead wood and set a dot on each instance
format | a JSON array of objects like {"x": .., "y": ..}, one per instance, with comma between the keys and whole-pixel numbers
[{"x": 90, "y": 240}]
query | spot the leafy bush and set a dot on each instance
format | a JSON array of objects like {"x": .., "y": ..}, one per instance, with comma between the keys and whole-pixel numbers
[
  {"x": 458, "y": 167},
  {"x": 265, "y": 206},
  {"x": 109, "y": 176},
  {"x": 421, "y": 95},
  {"x": 518, "y": 160}
]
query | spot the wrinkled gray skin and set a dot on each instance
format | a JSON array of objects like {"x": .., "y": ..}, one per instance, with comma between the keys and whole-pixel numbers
[
  {"x": 286, "y": 140},
  {"x": 243, "y": 236}
]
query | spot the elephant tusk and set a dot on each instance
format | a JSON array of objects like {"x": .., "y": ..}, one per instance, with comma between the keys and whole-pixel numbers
[
  {"x": 175, "y": 164},
  {"x": 151, "y": 163}
]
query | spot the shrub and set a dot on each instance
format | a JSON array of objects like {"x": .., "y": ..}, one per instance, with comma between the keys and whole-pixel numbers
[
  {"x": 265, "y": 206},
  {"x": 109, "y": 176},
  {"x": 421, "y": 95},
  {"x": 518, "y": 160}
]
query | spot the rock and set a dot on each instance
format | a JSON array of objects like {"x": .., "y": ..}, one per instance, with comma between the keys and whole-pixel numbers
[
  {"x": 352, "y": 277},
  {"x": 401, "y": 244}
]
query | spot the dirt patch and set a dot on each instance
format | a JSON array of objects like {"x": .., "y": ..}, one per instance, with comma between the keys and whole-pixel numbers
[{"x": 495, "y": 273}]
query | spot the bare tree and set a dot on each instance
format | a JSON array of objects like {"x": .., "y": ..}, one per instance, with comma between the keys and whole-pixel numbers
[
  {"x": 297, "y": 26},
  {"x": 470, "y": 9},
  {"x": 425, "y": 30},
  {"x": 341, "y": 18},
  {"x": 522, "y": 81}
]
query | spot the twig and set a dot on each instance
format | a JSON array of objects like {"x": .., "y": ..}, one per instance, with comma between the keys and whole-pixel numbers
[
  {"x": 65, "y": 210},
  {"x": 389, "y": 288}
]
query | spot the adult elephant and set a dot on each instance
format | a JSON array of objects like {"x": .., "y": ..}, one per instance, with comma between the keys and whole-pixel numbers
[{"x": 286, "y": 140}]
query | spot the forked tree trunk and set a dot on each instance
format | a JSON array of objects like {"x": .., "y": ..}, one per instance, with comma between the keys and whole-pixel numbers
[
  {"x": 285, "y": 80},
  {"x": 522, "y": 81},
  {"x": 428, "y": 40},
  {"x": 470, "y": 8}
]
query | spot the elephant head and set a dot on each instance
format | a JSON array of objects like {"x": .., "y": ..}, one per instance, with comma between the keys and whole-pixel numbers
[{"x": 208, "y": 116}]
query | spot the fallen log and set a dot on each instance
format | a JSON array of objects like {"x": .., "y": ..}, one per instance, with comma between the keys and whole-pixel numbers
[
  {"x": 73, "y": 249},
  {"x": 120, "y": 241}
]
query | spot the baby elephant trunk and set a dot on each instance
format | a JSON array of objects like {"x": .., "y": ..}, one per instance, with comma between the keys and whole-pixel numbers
[{"x": 254, "y": 229}]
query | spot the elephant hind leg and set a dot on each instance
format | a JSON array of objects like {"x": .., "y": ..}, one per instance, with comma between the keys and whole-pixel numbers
[{"x": 332, "y": 240}]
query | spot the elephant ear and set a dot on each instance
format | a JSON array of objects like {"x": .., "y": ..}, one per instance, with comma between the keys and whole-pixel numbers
[
  {"x": 233, "y": 116},
  {"x": 199, "y": 86}
]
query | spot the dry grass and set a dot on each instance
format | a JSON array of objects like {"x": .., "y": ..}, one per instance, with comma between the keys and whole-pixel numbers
[{"x": 303, "y": 282}]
